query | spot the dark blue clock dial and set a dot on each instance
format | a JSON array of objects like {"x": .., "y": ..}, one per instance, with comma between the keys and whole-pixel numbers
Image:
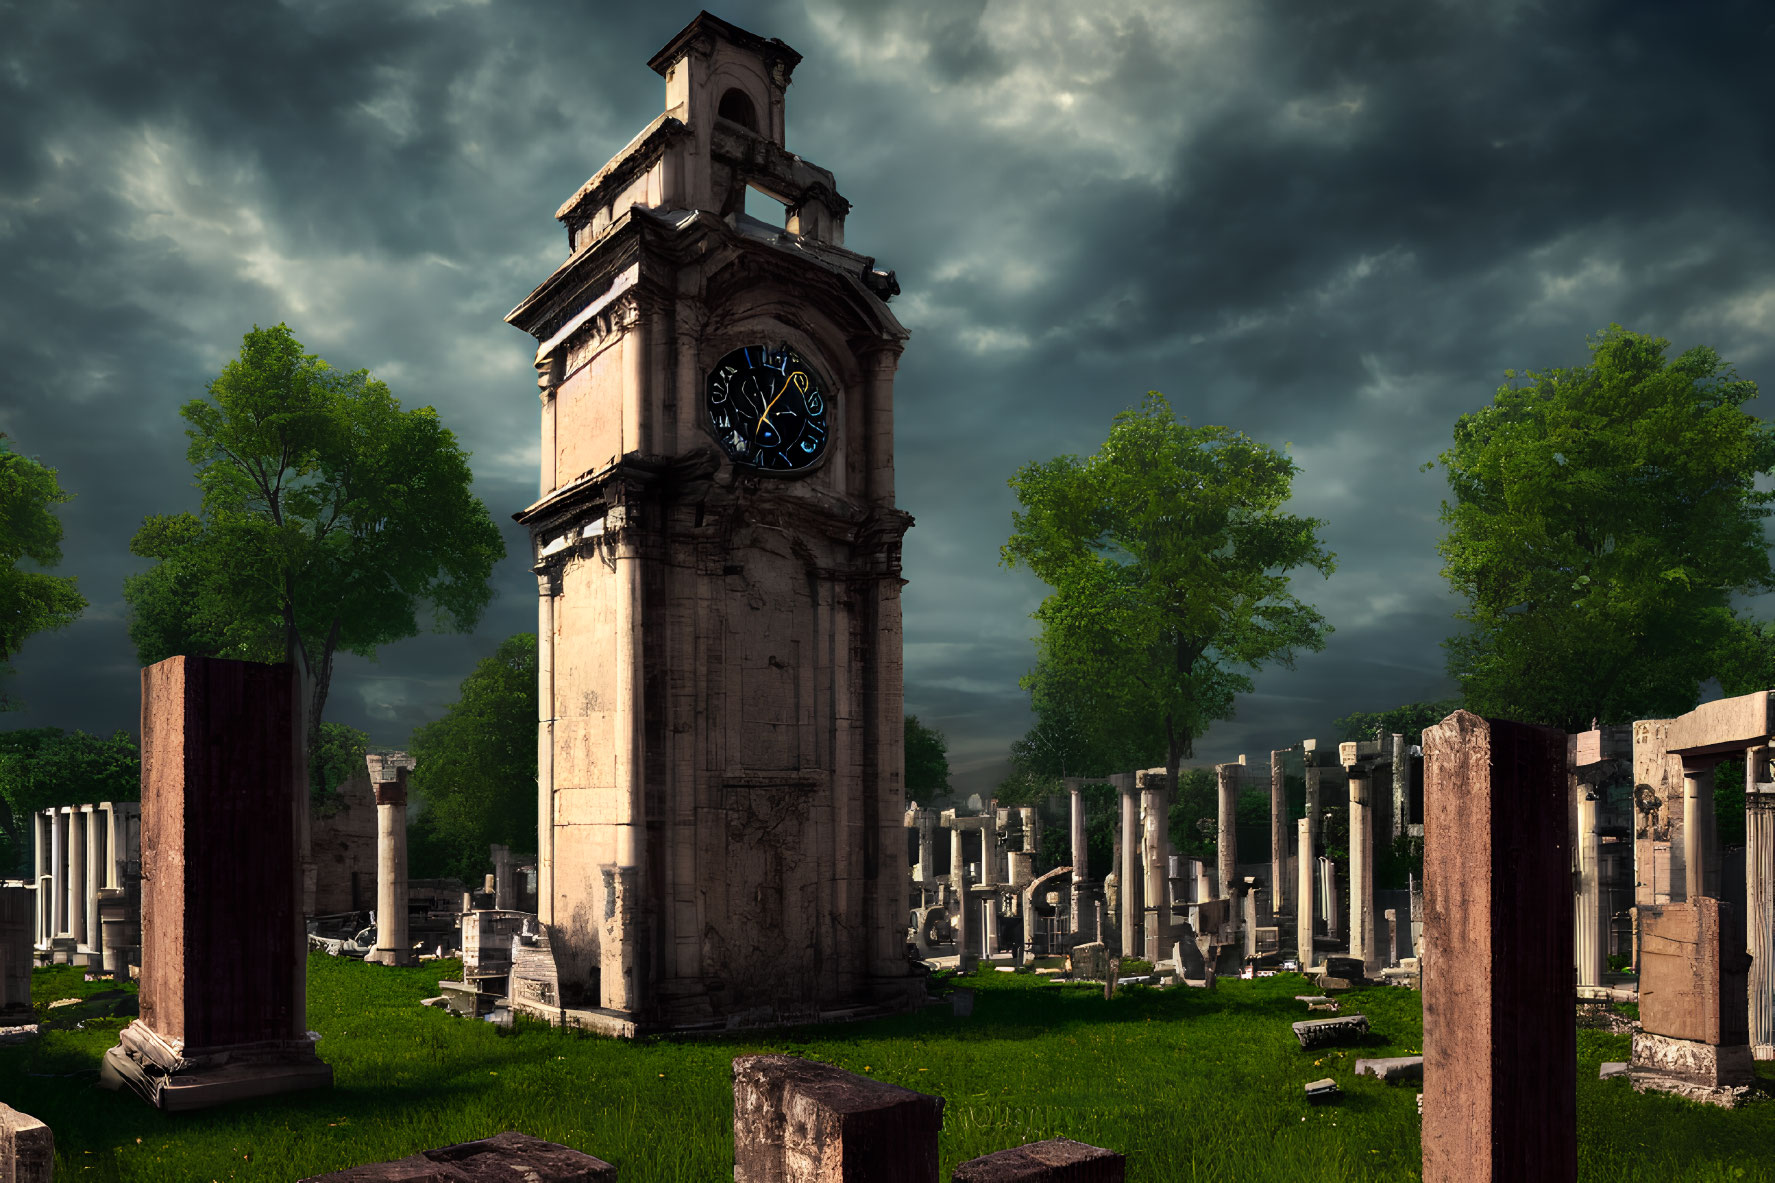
[{"x": 768, "y": 408}]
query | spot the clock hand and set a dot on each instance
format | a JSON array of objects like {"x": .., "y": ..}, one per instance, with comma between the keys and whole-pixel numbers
[{"x": 800, "y": 381}]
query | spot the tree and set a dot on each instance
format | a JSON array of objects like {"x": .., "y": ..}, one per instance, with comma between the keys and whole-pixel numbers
[
  {"x": 42, "y": 767},
  {"x": 1167, "y": 557},
  {"x": 1602, "y": 518},
  {"x": 30, "y": 601},
  {"x": 339, "y": 758},
  {"x": 1408, "y": 720},
  {"x": 927, "y": 762},
  {"x": 330, "y": 515},
  {"x": 474, "y": 774}
]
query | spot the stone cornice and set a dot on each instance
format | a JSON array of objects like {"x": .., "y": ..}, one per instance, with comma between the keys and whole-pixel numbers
[{"x": 639, "y": 155}]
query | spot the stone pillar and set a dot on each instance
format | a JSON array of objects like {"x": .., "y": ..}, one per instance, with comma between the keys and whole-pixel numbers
[
  {"x": 989, "y": 881},
  {"x": 224, "y": 949},
  {"x": 1591, "y": 926},
  {"x": 1390, "y": 950},
  {"x": 76, "y": 881},
  {"x": 965, "y": 958},
  {"x": 1278, "y": 835},
  {"x": 1303, "y": 912},
  {"x": 1083, "y": 918},
  {"x": 95, "y": 879},
  {"x": 389, "y": 777},
  {"x": 17, "y": 922},
  {"x": 505, "y": 895},
  {"x": 1401, "y": 786},
  {"x": 1328, "y": 891},
  {"x": 1759, "y": 890},
  {"x": 1500, "y": 1030},
  {"x": 1132, "y": 877},
  {"x": 58, "y": 870},
  {"x": 1694, "y": 1036},
  {"x": 1312, "y": 904},
  {"x": 927, "y": 846},
  {"x": 1226, "y": 777},
  {"x": 1155, "y": 796},
  {"x": 1362, "y": 931},
  {"x": 1697, "y": 813},
  {"x": 40, "y": 925}
]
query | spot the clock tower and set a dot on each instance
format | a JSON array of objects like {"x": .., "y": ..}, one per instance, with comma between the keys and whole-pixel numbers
[{"x": 718, "y": 567}]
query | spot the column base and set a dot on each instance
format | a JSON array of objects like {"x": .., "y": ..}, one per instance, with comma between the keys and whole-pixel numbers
[
  {"x": 390, "y": 957},
  {"x": 1714, "y": 1074},
  {"x": 158, "y": 1074},
  {"x": 1762, "y": 1051}
]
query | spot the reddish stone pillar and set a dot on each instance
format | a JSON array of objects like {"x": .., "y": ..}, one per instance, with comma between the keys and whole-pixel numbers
[
  {"x": 1500, "y": 1030},
  {"x": 223, "y": 951},
  {"x": 798, "y": 1121},
  {"x": 1058, "y": 1160}
]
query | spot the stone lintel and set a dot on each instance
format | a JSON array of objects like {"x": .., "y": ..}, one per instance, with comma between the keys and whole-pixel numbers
[
  {"x": 1150, "y": 779},
  {"x": 1058, "y": 1160},
  {"x": 507, "y": 1156},
  {"x": 800, "y": 1121},
  {"x": 1724, "y": 727}
]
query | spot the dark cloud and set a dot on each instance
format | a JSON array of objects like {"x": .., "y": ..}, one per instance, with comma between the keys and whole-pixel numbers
[{"x": 1328, "y": 225}]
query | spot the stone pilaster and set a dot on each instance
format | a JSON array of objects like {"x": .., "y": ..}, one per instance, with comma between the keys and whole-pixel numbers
[
  {"x": 1280, "y": 886},
  {"x": 1131, "y": 876},
  {"x": 1759, "y": 880},
  {"x": 1303, "y": 911}
]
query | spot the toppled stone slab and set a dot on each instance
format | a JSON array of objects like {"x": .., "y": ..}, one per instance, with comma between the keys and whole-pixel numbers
[
  {"x": 19, "y": 1034},
  {"x": 504, "y": 1158},
  {"x": 1059, "y": 1160},
  {"x": 1319, "y": 1032},
  {"x": 1392, "y": 1068},
  {"x": 1309, "y": 999},
  {"x": 799, "y": 1121},
  {"x": 1321, "y": 1091},
  {"x": 27, "y": 1148},
  {"x": 1332, "y": 982},
  {"x": 1612, "y": 1068},
  {"x": 1327, "y": 1005}
]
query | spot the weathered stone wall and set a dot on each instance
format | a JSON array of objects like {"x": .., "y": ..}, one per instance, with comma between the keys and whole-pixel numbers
[{"x": 342, "y": 842}]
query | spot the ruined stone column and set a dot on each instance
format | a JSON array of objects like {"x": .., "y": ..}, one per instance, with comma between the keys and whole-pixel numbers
[
  {"x": 390, "y": 781},
  {"x": 1697, "y": 814},
  {"x": 1083, "y": 919},
  {"x": 1303, "y": 911},
  {"x": 58, "y": 870},
  {"x": 1328, "y": 889},
  {"x": 1401, "y": 787},
  {"x": 1759, "y": 885},
  {"x": 504, "y": 893},
  {"x": 989, "y": 880},
  {"x": 1312, "y": 903},
  {"x": 1590, "y": 927},
  {"x": 1362, "y": 932},
  {"x": 76, "y": 884},
  {"x": 1500, "y": 1030},
  {"x": 1226, "y": 860},
  {"x": 1155, "y": 804},
  {"x": 89, "y": 890},
  {"x": 965, "y": 958},
  {"x": 1278, "y": 835},
  {"x": 1132, "y": 878}
]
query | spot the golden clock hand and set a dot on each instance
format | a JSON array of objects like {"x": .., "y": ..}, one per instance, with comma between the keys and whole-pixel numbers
[{"x": 801, "y": 385}]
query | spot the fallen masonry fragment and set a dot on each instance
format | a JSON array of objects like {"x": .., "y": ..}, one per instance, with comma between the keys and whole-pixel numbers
[{"x": 1320, "y": 1032}]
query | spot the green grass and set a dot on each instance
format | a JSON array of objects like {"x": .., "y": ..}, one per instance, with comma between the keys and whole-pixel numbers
[{"x": 1190, "y": 1084}]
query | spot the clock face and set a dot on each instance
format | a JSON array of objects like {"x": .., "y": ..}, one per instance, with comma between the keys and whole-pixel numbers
[{"x": 768, "y": 408}]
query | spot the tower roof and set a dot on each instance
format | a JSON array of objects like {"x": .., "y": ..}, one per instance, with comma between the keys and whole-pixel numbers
[{"x": 706, "y": 24}]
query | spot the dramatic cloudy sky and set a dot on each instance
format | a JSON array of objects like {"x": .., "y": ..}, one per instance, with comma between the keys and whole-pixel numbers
[{"x": 1330, "y": 224}]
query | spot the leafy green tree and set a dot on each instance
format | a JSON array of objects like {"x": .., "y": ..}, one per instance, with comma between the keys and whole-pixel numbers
[
  {"x": 474, "y": 775},
  {"x": 330, "y": 515},
  {"x": 927, "y": 762},
  {"x": 339, "y": 758},
  {"x": 42, "y": 767},
  {"x": 1167, "y": 556},
  {"x": 1408, "y": 720},
  {"x": 1603, "y": 517},
  {"x": 30, "y": 601}
]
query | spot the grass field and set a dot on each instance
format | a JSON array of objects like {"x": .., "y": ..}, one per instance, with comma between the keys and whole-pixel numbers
[{"x": 1190, "y": 1084}]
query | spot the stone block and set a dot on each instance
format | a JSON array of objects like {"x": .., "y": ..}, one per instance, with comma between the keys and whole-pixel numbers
[
  {"x": 223, "y": 1006},
  {"x": 1058, "y": 1160},
  {"x": 1320, "y": 1032},
  {"x": 1089, "y": 960},
  {"x": 27, "y": 1148},
  {"x": 1600, "y": 744},
  {"x": 1350, "y": 968},
  {"x": 1500, "y": 1028},
  {"x": 1392, "y": 1068},
  {"x": 798, "y": 1121},
  {"x": 1693, "y": 984},
  {"x": 1725, "y": 726},
  {"x": 504, "y": 1158},
  {"x": 1320, "y": 1091},
  {"x": 16, "y": 928}
]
